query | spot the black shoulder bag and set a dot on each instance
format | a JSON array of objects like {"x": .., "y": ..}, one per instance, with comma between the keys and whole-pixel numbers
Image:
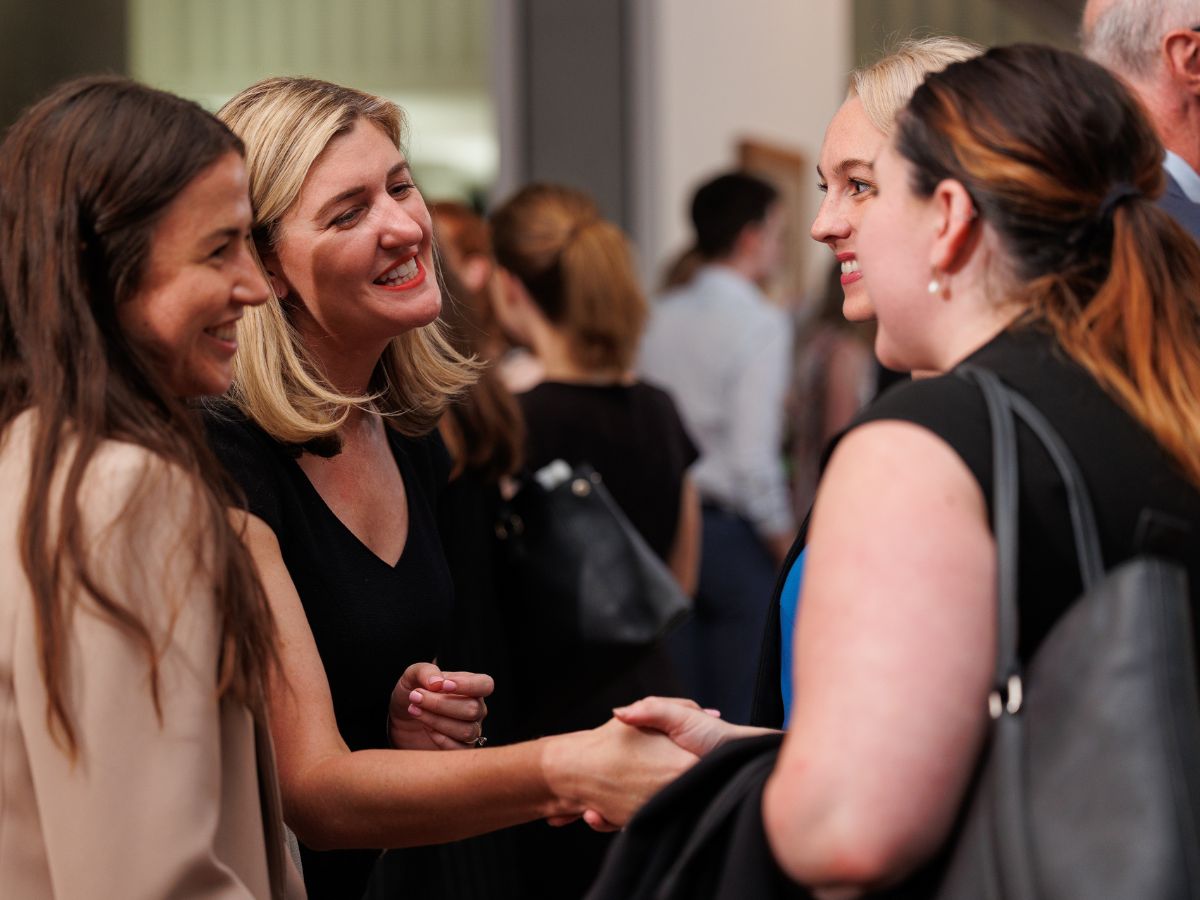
[
  {"x": 1091, "y": 784},
  {"x": 579, "y": 572}
]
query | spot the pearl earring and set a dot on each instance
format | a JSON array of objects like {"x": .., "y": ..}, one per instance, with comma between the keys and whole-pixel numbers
[{"x": 934, "y": 285}]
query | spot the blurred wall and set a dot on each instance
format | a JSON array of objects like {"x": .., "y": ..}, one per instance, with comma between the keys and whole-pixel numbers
[
  {"x": 43, "y": 44},
  {"x": 430, "y": 56},
  {"x": 879, "y": 23},
  {"x": 573, "y": 84},
  {"x": 711, "y": 72}
]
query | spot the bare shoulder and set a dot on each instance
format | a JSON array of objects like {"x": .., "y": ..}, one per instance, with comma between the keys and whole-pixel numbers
[
  {"x": 896, "y": 505},
  {"x": 906, "y": 455}
]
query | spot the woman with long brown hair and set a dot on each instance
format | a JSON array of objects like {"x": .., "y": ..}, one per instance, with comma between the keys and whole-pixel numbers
[
  {"x": 1015, "y": 230},
  {"x": 135, "y": 635}
]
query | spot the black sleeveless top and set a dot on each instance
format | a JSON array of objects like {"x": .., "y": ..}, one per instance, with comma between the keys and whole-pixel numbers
[
  {"x": 1126, "y": 472},
  {"x": 370, "y": 620}
]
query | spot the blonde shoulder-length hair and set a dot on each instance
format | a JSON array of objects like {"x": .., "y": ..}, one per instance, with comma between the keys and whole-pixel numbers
[
  {"x": 886, "y": 85},
  {"x": 286, "y": 123}
]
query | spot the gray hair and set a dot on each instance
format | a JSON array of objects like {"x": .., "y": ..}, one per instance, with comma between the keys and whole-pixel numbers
[{"x": 1125, "y": 36}]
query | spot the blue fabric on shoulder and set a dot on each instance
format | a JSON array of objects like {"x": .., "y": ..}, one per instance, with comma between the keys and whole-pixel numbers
[{"x": 789, "y": 600}]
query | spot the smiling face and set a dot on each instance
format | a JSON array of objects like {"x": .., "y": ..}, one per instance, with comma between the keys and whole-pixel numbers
[
  {"x": 355, "y": 251},
  {"x": 847, "y": 180},
  {"x": 199, "y": 276},
  {"x": 897, "y": 244}
]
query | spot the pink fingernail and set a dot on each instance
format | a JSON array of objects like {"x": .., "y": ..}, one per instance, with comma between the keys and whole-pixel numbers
[
  {"x": 435, "y": 680},
  {"x": 416, "y": 697},
  {"x": 414, "y": 710},
  {"x": 713, "y": 712},
  {"x": 448, "y": 685}
]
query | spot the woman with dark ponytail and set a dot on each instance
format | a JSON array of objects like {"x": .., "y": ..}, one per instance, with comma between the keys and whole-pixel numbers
[
  {"x": 569, "y": 292},
  {"x": 1014, "y": 230}
]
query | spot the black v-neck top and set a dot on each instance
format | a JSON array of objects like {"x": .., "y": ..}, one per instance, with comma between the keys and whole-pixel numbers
[{"x": 370, "y": 620}]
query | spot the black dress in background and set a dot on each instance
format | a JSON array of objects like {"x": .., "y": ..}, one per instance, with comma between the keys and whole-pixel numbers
[{"x": 633, "y": 436}]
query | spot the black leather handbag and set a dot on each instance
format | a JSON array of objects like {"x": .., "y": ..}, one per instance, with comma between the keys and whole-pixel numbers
[
  {"x": 1090, "y": 787},
  {"x": 579, "y": 572}
]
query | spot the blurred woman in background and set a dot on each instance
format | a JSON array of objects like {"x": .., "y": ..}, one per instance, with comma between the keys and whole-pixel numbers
[
  {"x": 484, "y": 432},
  {"x": 465, "y": 244},
  {"x": 833, "y": 377},
  {"x": 570, "y": 293}
]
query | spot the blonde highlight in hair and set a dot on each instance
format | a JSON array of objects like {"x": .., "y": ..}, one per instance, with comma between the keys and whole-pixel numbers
[
  {"x": 286, "y": 124},
  {"x": 579, "y": 270},
  {"x": 885, "y": 86}
]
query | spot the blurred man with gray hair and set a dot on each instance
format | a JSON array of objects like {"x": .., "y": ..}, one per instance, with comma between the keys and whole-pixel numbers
[{"x": 1154, "y": 47}]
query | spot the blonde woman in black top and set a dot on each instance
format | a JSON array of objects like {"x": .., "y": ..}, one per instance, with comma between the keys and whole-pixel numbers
[{"x": 331, "y": 436}]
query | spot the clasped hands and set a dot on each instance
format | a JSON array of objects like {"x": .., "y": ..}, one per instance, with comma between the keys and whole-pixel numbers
[
  {"x": 435, "y": 710},
  {"x": 613, "y": 769},
  {"x": 658, "y": 738}
]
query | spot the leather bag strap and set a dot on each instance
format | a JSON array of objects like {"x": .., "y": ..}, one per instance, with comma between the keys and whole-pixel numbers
[
  {"x": 1003, "y": 404},
  {"x": 1009, "y": 813},
  {"x": 1079, "y": 502},
  {"x": 1005, "y": 481}
]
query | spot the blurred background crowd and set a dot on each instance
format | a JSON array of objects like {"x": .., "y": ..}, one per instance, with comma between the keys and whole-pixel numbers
[{"x": 630, "y": 233}]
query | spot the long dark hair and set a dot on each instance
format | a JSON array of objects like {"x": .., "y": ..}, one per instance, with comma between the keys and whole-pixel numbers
[
  {"x": 86, "y": 175},
  {"x": 1060, "y": 160}
]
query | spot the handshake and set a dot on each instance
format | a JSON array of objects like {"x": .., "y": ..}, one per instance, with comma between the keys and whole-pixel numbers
[{"x": 602, "y": 776}]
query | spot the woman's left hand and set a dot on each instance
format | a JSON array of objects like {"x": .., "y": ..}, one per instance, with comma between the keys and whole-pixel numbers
[
  {"x": 435, "y": 710},
  {"x": 694, "y": 729}
]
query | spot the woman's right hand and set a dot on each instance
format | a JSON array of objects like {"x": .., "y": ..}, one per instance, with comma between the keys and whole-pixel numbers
[
  {"x": 611, "y": 771},
  {"x": 688, "y": 726}
]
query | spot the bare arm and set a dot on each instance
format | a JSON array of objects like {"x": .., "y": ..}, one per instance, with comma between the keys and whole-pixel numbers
[
  {"x": 893, "y": 660},
  {"x": 685, "y": 552},
  {"x": 333, "y": 797}
]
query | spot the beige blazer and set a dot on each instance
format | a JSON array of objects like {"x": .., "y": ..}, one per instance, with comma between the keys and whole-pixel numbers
[{"x": 184, "y": 805}]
